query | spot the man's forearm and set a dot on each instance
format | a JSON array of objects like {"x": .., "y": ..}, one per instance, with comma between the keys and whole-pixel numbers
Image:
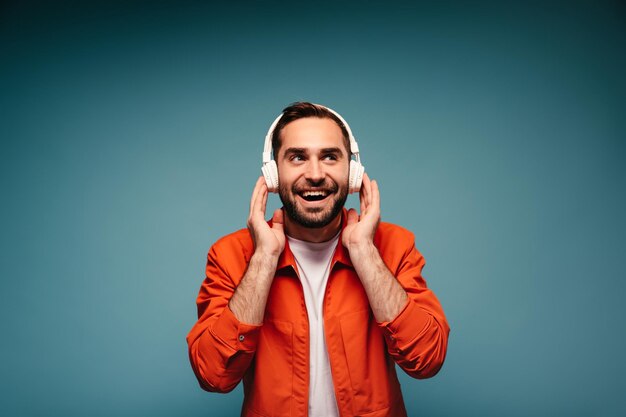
[
  {"x": 385, "y": 294},
  {"x": 248, "y": 301}
]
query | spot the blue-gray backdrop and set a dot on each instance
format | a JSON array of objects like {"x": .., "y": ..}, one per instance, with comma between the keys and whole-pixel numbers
[{"x": 131, "y": 136}]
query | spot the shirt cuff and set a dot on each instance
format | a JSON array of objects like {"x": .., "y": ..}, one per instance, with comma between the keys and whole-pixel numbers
[
  {"x": 237, "y": 335},
  {"x": 405, "y": 327}
]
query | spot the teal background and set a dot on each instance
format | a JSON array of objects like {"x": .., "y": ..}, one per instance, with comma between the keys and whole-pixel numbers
[{"x": 131, "y": 137}]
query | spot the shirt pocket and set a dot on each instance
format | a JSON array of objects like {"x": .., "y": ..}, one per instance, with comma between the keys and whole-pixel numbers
[
  {"x": 371, "y": 372},
  {"x": 272, "y": 388}
]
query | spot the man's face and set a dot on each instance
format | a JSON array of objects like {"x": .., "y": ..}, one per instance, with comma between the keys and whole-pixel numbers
[{"x": 313, "y": 166}]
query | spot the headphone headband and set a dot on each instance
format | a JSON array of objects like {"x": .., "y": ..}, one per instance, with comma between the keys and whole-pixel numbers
[{"x": 267, "y": 149}]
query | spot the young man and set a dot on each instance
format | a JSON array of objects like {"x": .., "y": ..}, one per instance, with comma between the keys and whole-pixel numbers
[{"x": 314, "y": 308}]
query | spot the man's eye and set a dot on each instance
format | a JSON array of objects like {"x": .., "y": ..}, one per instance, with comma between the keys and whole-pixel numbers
[
  {"x": 330, "y": 157},
  {"x": 296, "y": 158}
]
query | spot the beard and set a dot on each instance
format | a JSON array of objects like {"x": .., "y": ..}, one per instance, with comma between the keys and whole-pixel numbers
[{"x": 316, "y": 217}]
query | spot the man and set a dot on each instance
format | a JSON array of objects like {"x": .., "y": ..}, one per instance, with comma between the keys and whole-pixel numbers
[{"x": 314, "y": 308}]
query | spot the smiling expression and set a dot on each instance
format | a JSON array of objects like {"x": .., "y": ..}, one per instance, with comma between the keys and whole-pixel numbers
[{"x": 313, "y": 166}]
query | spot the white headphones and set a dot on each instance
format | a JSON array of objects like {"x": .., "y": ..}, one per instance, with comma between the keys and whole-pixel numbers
[{"x": 270, "y": 170}]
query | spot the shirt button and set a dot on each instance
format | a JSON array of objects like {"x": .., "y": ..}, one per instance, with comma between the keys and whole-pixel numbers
[
  {"x": 241, "y": 337},
  {"x": 392, "y": 338}
]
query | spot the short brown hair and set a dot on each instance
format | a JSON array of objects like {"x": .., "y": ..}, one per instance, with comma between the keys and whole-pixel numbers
[{"x": 301, "y": 110}]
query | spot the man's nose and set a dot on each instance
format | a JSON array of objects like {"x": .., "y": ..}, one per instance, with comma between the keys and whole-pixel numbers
[{"x": 314, "y": 171}]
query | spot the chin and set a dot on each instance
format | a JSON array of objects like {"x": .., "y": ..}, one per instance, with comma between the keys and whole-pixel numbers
[{"x": 313, "y": 218}]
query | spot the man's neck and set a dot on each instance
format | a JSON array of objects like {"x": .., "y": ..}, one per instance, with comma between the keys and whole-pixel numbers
[{"x": 315, "y": 235}]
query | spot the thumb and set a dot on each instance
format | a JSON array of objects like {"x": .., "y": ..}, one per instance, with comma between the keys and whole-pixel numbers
[
  {"x": 278, "y": 220},
  {"x": 353, "y": 217}
]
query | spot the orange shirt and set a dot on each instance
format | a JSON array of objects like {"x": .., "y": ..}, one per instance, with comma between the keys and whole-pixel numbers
[{"x": 273, "y": 358}]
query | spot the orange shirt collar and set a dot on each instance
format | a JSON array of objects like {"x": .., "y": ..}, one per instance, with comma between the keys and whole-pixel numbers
[{"x": 341, "y": 254}]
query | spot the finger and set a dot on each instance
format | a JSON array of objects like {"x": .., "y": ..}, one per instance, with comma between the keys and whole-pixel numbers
[
  {"x": 362, "y": 199},
  {"x": 353, "y": 217},
  {"x": 363, "y": 192},
  {"x": 264, "y": 195},
  {"x": 375, "y": 204},
  {"x": 372, "y": 217},
  {"x": 367, "y": 191},
  {"x": 255, "y": 192},
  {"x": 259, "y": 197},
  {"x": 278, "y": 220}
]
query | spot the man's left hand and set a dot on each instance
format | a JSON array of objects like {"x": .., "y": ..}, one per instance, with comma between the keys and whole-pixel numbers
[{"x": 359, "y": 231}]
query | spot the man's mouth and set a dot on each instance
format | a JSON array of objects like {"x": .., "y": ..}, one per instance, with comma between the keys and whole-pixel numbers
[{"x": 316, "y": 195}]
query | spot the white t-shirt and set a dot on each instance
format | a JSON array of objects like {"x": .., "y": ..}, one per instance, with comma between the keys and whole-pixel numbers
[{"x": 313, "y": 261}]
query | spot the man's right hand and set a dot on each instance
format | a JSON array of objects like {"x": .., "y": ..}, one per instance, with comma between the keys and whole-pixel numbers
[
  {"x": 268, "y": 241},
  {"x": 249, "y": 299}
]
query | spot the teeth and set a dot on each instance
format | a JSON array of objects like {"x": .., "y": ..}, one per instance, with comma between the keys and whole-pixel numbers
[{"x": 313, "y": 193}]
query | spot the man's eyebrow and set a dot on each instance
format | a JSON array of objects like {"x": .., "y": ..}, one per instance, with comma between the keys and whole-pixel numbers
[
  {"x": 295, "y": 150},
  {"x": 331, "y": 150}
]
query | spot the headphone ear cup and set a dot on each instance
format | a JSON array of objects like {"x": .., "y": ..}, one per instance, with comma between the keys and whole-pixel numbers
[
  {"x": 270, "y": 173},
  {"x": 356, "y": 176}
]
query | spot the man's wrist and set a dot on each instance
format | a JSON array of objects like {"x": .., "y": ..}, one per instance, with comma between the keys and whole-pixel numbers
[
  {"x": 362, "y": 249},
  {"x": 265, "y": 256}
]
